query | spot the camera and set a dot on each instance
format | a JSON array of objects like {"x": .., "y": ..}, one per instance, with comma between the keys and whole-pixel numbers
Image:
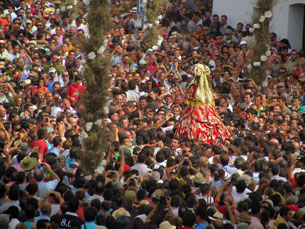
[
  {"x": 185, "y": 162},
  {"x": 116, "y": 146},
  {"x": 301, "y": 157}
]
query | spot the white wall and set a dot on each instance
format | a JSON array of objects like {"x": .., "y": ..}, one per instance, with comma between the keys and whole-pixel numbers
[
  {"x": 284, "y": 24},
  {"x": 236, "y": 10},
  {"x": 296, "y": 25}
]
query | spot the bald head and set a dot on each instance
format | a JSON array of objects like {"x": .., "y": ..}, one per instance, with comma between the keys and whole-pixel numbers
[{"x": 46, "y": 209}]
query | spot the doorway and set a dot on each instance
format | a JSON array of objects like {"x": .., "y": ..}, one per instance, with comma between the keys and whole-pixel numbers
[{"x": 296, "y": 24}]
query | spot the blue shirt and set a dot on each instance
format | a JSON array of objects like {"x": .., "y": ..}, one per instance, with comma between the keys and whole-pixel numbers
[
  {"x": 28, "y": 224},
  {"x": 45, "y": 187},
  {"x": 89, "y": 225},
  {"x": 54, "y": 150},
  {"x": 201, "y": 225},
  {"x": 42, "y": 217}
]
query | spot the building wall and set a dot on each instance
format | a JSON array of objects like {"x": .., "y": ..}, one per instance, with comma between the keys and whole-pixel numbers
[
  {"x": 296, "y": 25},
  {"x": 288, "y": 17},
  {"x": 236, "y": 10}
]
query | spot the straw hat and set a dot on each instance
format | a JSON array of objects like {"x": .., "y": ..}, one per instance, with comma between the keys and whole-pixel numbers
[
  {"x": 173, "y": 34},
  {"x": 26, "y": 83},
  {"x": 133, "y": 10},
  {"x": 166, "y": 225},
  {"x": 48, "y": 11},
  {"x": 244, "y": 217},
  {"x": 28, "y": 163},
  {"x": 120, "y": 212},
  {"x": 199, "y": 179},
  {"x": 217, "y": 215}
]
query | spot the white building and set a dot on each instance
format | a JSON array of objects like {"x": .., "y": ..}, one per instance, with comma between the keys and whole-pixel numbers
[{"x": 288, "y": 17}]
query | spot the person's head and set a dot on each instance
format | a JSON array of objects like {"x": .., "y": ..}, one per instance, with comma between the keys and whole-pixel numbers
[
  {"x": 46, "y": 209},
  {"x": 255, "y": 208},
  {"x": 78, "y": 81},
  {"x": 90, "y": 214},
  {"x": 189, "y": 219},
  {"x": 247, "y": 98},
  {"x": 73, "y": 204},
  {"x": 13, "y": 193},
  {"x": 224, "y": 159},
  {"x": 142, "y": 158},
  {"x": 41, "y": 133},
  {"x": 175, "y": 143},
  {"x": 43, "y": 224},
  {"x": 275, "y": 169},
  {"x": 224, "y": 19},
  {"x": 286, "y": 213},
  {"x": 241, "y": 186},
  {"x": 30, "y": 211},
  {"x": 39, "y": 175}
]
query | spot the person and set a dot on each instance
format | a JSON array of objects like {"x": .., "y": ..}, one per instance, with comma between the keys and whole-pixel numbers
[
  {"x": 75, "y": 90},
  {"x": 70, "y": 219},
  {"x": 200, "y": 120}
]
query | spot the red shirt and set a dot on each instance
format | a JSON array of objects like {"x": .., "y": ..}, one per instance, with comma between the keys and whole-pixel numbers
[
  {"x": 75, "y": 91},
  {"x": 43, "y": 147}
]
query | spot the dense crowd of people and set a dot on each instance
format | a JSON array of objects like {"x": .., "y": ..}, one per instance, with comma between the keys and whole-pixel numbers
[{"x": 149, "y": 178}]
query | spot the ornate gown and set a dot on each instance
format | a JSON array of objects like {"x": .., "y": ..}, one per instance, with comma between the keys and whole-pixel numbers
[{"x": 201, "y": 121}]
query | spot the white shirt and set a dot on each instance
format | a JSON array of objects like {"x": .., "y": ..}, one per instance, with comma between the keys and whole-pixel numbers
[
  {"x": 13, "y": 223},
  {"x": 132, "y": 96},
  {"x": 141, "y": 167},
  {"x": 45, "y": 187},
  {"x": 101, "y": 198},
  {"x": 240, "y": 196}
]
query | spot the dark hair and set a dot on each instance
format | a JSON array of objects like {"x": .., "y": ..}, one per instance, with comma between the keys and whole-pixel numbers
[
  {"x": 30, "y": 211},
  {"x": 142, "y": 157},
  {"x": 189, "y": 218},
  {"x": 13, "y": 193},
  {"x": 56, "y": 141},
  {"x": 255, "y": 208},
  {"x": 90, "y": 214},
  {"x": 160, "y": 156},
  {"x": 241, "y": 186},
  {"x": 132, "y": 85},
  {"x": 41, "y": 133},
  {"x": 275, "y": 169},
  {"x": 41, "y": 224},
  {"x": 73, "y": 204},
  {"x": 284, "y": 210}
]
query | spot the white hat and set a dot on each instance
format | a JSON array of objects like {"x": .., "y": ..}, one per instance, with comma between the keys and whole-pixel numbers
[
  {"x": 52, "y": 70},
  {"x": 242, "y": 43},
  {"x": 199, "y": 179},
  {"x": 166, "y": 225},
  {"x": 120, "y": 212},
  {"x": 142, "y": 62},
  {"x": 26, "y": 83},
  {"x": 217, "y": 215},
  {"x": 133, "y": 10}
]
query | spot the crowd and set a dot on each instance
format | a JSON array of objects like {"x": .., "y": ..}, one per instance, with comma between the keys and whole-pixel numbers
[{"x": 149, "y": 177}]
